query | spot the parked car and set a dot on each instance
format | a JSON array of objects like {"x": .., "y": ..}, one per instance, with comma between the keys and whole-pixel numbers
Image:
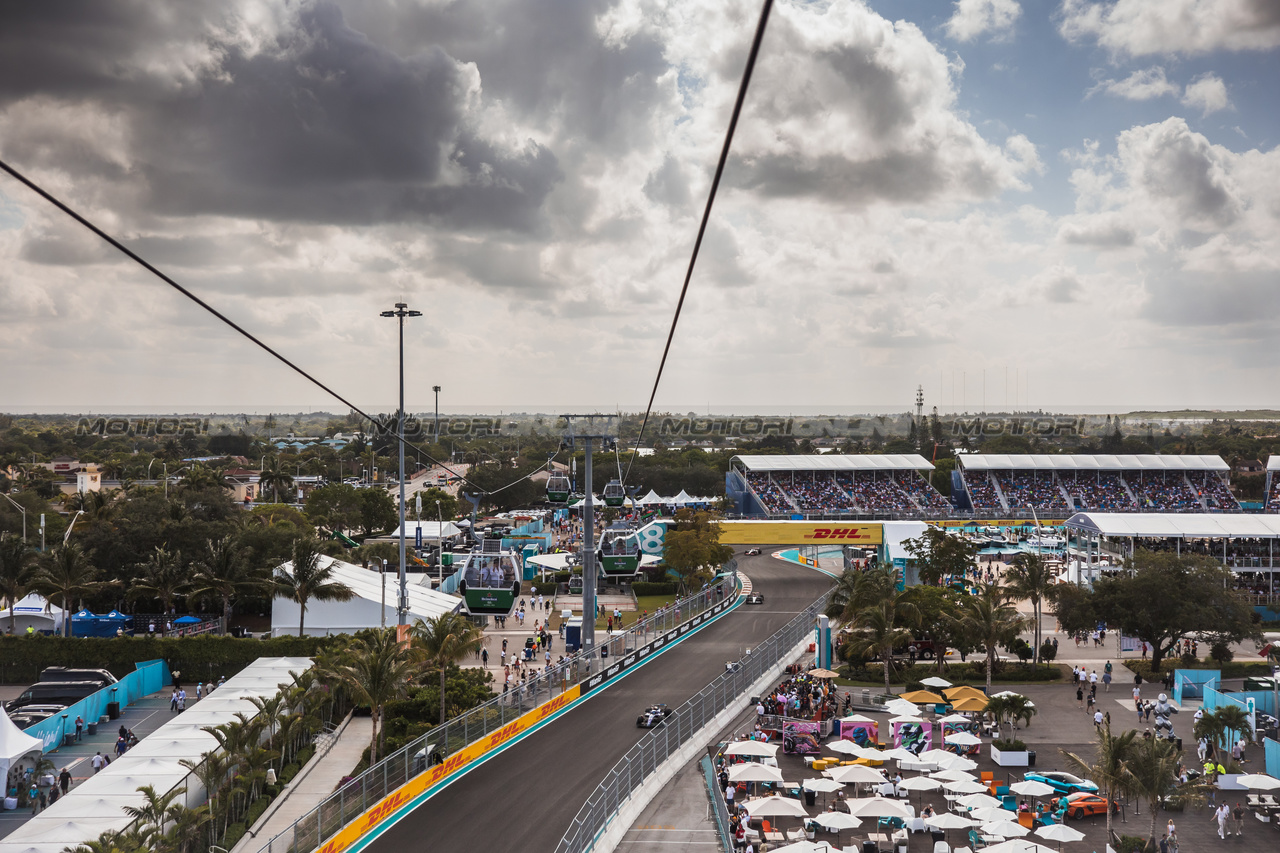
[
  {"x": 63, "y": 674},
  {"x": 1063, "y": 783},
  {"x": 29, "y": 715},
  {"x": 1080, "y": 805},
  {"x": 60, "y": 693}
]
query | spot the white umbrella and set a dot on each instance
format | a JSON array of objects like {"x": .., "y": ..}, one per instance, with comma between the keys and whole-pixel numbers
[
  {"x": 776, "y": 807},
  {"x": 805, "y": 847},
  {"x": 909, "y": 719},
  {"x": 954, "y": 718},
  {"x": 1031, "y": 788},
  {"x": 977, "y": 801},
  {"x": 947, "y": 820},
  {"x": 951, "y": 775},
  {"x": 990, "y": 814},
  {"x": 919, "y": 783},
  {"x": 901, "y": 706},
  {"x": 754, "y": 748},
  {"x": 1059, "y": 832},
  {"x": 878, "y": 807},
  {"x": 856, "y": 718},
  {"x": 1017, "y": 845},
  {"x": 960, "y": 762},
  {"x": 837, "y": 821},
  {"x": 1004, "y": 693},
  {"x": 1005, "y": 829},
  {"x": 844, "y": 747},
  {"x": 898, "y": 754},
  {"x": 754, "y": 773},
  {"x": 821, "y": 786},
  {"x": 962, "y": 739},
  {"x": 857, "y": 774},
  {"x": 965, "y": 786},
  {"x": 935, "y": 681},
  {"x": 940, "y": 757},
  {"x": 871, "y": 754},
  {"x": 1258, "y": 782}
]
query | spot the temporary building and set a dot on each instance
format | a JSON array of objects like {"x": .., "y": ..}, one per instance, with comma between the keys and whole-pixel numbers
[
  {"x": 34, "y": 611},
  {"x": 371, "y": 606},
  {"x": 18, "y": 750}
]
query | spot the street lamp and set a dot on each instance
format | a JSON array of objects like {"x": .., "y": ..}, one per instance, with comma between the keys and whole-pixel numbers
[
  {"x": 22, "y": 509},
  {"x": 400, "y": 313},
  {"x": 436, "y": 388}
]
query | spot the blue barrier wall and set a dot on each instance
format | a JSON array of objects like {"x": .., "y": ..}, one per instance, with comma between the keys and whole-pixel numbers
[
  {"x": 1271, "y": 750},
  {"x": 150, "y": 677},
  {"x": 1190, "y": 683}
]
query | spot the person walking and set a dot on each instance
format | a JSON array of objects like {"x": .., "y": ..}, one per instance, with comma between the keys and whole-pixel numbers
[
  {"x": 64, "y": 780},
  {"x": 182, "y": 701},
  {"x": 98, "y": 762},
  {"x": 1080, "y": 695},
  {"x": 33, "y": 796},
  {"x": 1220, "y": 815},
  {"x": 79, "y": 727},
  {"x": 173, "y": 701},
  {"x": 1238, "y": 814}
]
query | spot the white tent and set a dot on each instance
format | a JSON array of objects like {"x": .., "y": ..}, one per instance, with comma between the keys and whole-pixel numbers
[
  {"x": 365, "y": 610},
  {"x": 36, "y": 611},
  {"x": 651, "y": 498},
  {"x": 683, "y": 498},
  {"x": 18, "y": 750},
  {"x": 432, "y": 531}
]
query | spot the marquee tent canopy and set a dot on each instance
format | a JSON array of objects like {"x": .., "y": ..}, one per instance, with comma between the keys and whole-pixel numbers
[
  {"x": 1189, "y": 525},
  {"x": 36, "y": 611},
  {"x": 1088, "y": 462},
  {"x": 835, "y": 462}
]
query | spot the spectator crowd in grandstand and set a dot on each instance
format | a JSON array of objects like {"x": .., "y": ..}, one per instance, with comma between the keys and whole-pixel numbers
[
  {"x": 844, "y": 492},
  {"x": 1164, "y": 493},
  {"x": 771, "y": 497},
  {"x": 982, "y": 492},
  {"x": 1035, "y": 489}
]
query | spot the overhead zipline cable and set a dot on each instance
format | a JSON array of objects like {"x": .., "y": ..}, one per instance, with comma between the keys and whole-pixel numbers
[{"x": 706, "y": 215}]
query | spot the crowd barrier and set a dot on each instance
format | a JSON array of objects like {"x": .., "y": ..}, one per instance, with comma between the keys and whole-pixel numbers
[
  {"x": 393, "y": 784},
  {"x": 149, "y": 677},
  {"x": 683, "y": 724}
]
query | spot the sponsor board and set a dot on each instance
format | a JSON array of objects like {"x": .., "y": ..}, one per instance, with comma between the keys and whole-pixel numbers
[
  {"x": 392, "y": 802},
  {"x": 796, "y": 532}
]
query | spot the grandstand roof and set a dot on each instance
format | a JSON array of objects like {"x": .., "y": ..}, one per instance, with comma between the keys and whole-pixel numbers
[
  {"x": 1088, "y": 462},
  {"x": 834, "y": 462},
  {"x": 1191, "y": 525},
  {"x": 1273, "y": 462}
]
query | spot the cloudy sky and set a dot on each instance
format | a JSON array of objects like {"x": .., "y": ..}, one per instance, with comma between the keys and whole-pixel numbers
[{"x": 1083, "y": 195}]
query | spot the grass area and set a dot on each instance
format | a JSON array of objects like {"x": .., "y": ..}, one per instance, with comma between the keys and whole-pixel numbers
[{"x": 629, "y": 617}]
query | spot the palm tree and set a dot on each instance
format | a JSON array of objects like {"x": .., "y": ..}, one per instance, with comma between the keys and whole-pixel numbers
[
  {"x": 184, "y": 828},
  {"x": 1108, "y": 770},
  {"x": 17, "y": 571},
  {"x": 1152, "y": 769},
  {"x": 1011, "y": 709},
  {"x": 307, "y": 578},
  {"x": 274, "y": 477},
  {"x": 66, "y": 578},
  {"x": 212, "y": 769},
  {"x": 222, "y": 573},
  {"x": 163, "y": 577},
  {"x": 880, "y": 615},
  {"x": 154, "y": 810},
  {"x": 444, "y": 640},
  {"x": 1029, "y": 577},
  {"x": 1224, "y": 726},
  {"x": 378, "y": 670},
  {"x": 203, "y": 477},
  {"x": 990, "y": 618}
]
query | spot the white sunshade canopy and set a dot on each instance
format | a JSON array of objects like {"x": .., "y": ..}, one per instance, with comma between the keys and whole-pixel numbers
[
  {"x": 836, "y": 462},
  {"x": 1088, "y": 462},
  {"x": 920, "y": 783},
  {"x": 1031, "y": 788},
  {"x": 821, "y": 786},
  {"x": 754, "y": 773},
  {"x": 845, "y": 747},
  {"x": 947, "y": 820},
  {"x": 878, "y": 807},
  {"x": 776, "y": 807},
  {"x": 857, "y": 774},
  {"x": 1191, "y": 525},
  {"x": 755, "y": 748},
  {"x": 837, "y": 821}
]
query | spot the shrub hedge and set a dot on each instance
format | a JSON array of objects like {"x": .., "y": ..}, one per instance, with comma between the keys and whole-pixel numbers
[
  {"x": 203, "y": 658},
  {"x": 971, "y": 672},
  {"x": 1233, "y": 669},
  {"x": 647, "y": 588}
]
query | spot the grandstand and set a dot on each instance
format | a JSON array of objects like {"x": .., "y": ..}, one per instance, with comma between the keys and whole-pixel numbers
[
  {"x": 833, "y": 485},
  {"x": 993, "y": 483}
]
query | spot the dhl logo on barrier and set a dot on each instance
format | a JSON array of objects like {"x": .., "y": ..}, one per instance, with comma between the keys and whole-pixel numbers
[
  {"x": 388, "y": 805},
  {"x": 796, "y": 532}
]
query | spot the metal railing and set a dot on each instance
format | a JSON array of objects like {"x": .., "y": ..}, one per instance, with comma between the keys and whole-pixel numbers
[
  {"x": 684, "y": 723},
  {"x": 361, "y": 793}
]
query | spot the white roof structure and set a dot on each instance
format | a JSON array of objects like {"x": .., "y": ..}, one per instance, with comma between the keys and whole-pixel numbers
[
  {"x": 432, "y": 530},
  {"x": 897, "y": 532},
  {"x": 654, "y": 498},
  {"x": 36, "y": 611},
  {"x": 366, "y": 610},
  {"x": 1088, "y": 462},
  {"x": 1273, "y": 462},
  {"x": 836, "y": 462},
  {"x": 97, "y": 804},
  {"x": 16, "y": 745},
  {"x": 1190, "y": 525}
]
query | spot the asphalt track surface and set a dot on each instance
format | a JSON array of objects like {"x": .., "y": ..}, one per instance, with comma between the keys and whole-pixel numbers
[{"x": 525, "y": 797}]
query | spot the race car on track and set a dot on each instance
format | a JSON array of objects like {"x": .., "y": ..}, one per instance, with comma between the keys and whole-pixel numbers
[
  {"x": 755, "y": 598},
  {"x": 654, "y": 715},
  {"x": 1080, "y": 805},
  {"x": 1062, "y": 783},
  {"x": 753, "y": 552}
]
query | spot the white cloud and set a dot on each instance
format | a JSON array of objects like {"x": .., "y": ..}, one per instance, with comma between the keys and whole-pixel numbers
[
  {"x": 1207, "y": 93},
  {"x": 973, "y": 18},
  {"x": 1142, "y": 85},
  {"x": 1146, "y": 27}
]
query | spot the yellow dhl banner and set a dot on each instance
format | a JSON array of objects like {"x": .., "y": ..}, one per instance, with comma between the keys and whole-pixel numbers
[
  {"x": 800, "y": 533},
  {"x": 388, "y": 805}
]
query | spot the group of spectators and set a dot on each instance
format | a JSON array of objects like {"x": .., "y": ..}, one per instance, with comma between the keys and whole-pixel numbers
[
  {"x": 1037, "y": 489},
  {"x": 845, "y": 491},
  {"x": 1105, "y": 492},
  {"x": 1215, "y": 492},
  {"x": 920, "y": 491},
  {"x": 818, "y": 493},
  {"x": 1273, "y": 499},
  {"x": 982, "y": 492},
  {"x": 770, "y": 495},
  {"x": 872, "y": 491},
  {"x": 1165, "y": 492}
]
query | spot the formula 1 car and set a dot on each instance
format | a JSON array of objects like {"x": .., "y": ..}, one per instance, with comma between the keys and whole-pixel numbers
[
  {"x": 653, "y": 716},
  {"x": 755, "y": 598},
  {"x": 752, "y": 552}
]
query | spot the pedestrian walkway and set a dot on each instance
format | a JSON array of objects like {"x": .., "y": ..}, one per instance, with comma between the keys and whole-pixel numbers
[
  {"x": 143, "y": 717},
  {"x": 317, "y": 780}
]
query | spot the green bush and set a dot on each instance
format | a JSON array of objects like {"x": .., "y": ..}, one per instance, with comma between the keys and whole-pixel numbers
[
  {"x": 1130, "y": 844},
  {"x": 647, "y": 588},
  {"x": 562, "y": 577},
  {"x": 202, "y": 658},
  {"x": 304, "y": 755},
  {"x": 256, "y": 808},
  {"x": 973, "y": 672},
  {"x": 233, "y": 835},
  {"x": 1234, "y": 669},
  {"x": 286, "y": 775},
  {"x": 1005, "y": 745}
]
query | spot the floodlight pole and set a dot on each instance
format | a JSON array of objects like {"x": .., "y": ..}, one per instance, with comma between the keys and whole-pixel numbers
[
  {"x": 402, "y": 608},
  {"x": 588, "y": 535},
  {"x": 22, "y": 509}
]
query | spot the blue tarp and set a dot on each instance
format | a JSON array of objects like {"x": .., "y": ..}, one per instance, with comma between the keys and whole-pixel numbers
[
  {"x": 151, "y": 676},
  {"x": 188, "y": 620}
]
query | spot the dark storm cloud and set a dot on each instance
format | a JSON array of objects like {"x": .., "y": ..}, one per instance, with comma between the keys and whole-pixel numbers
[
  {"x": 900, "y": 176},
  {"x": 321, "y": 126},
  {"x": 1225, "y": 298}
]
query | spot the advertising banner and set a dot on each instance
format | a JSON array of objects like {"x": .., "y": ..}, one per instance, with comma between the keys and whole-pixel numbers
[
  {"x": 800, "y": 532},
  {"x": 800, "y": 738},
  {"x": 863, "y": 734}
]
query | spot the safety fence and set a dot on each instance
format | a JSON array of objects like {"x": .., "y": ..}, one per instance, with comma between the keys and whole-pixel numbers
[
  {"x": 680, "y": 726},
  {"x": 718, "y": 808},
  {"x": 368, "y": 799}
]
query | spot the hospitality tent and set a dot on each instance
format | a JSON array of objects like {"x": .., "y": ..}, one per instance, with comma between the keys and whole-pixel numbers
[
  {"x": 18, "y": 750},
  {"x": 34, "y": 611},
  {"x": 365, "y": 610}
]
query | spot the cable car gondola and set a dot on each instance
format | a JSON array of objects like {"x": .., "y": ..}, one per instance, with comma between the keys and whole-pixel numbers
[
  {"x": 614, "y": 493},
  {"x": 490, "y": 581},
  {"x": 558, "y": 488},
  {"x": 619, "y": 550}
]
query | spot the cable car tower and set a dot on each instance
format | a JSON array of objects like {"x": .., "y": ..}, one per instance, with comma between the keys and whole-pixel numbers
[{"x": 589, "y": 571}]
